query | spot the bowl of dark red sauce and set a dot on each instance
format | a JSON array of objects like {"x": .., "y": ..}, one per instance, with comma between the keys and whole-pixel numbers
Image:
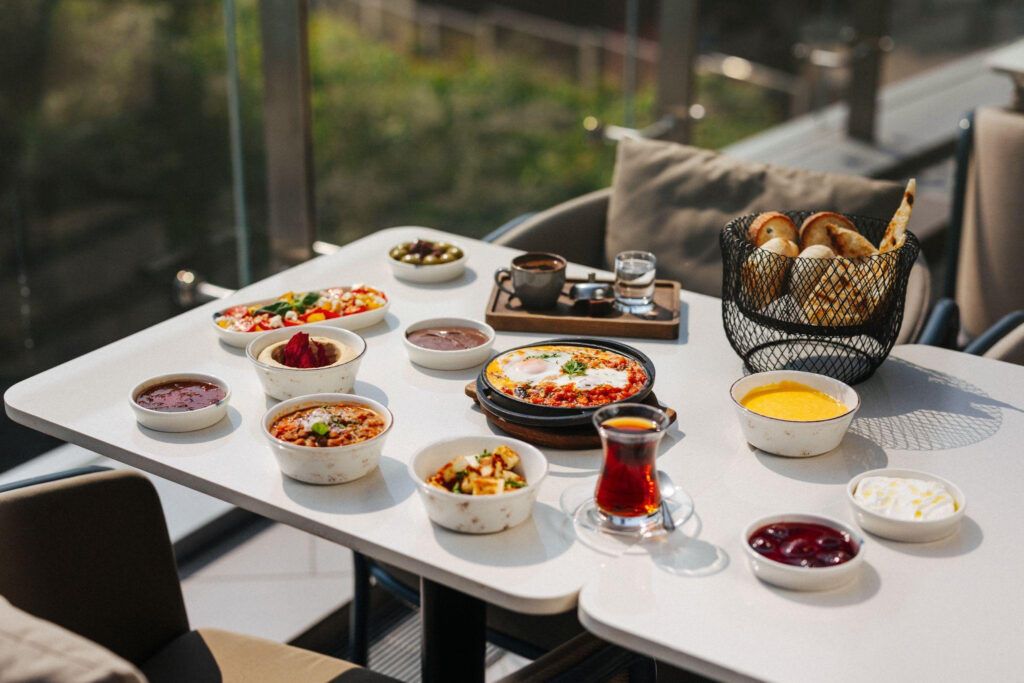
[
  {"x": 180, "y": 402},
  {"x": 803, "y": 552},
  {"x": 449, "y": 343}
]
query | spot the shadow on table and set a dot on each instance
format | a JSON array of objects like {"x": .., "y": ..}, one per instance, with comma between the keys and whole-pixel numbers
[
  {"x": 854, "y": 455},
  {"x": 231, "y": 421},
  {"x": 468, "y": 276},
  {"x": 944, "y": 411},
  {"x": 861, "y": 589},
  {"x": 360, "y": 388},
  {"x": 390, "y": 322},
  {"x": 968, "y": 538},
  {"x": 681, "y": 553},
  {"x": 531, "y": 542},
  {"x": 385, "y": 487}
]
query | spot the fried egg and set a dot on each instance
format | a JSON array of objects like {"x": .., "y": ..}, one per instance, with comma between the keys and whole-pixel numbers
[{"x": 536, "y": 368}]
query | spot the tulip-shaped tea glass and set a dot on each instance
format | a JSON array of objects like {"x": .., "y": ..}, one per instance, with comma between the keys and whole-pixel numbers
[{"x": 627, "y": 496}]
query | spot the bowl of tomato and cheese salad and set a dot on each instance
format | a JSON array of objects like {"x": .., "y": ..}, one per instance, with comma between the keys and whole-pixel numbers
[
  {"x": 569, "y": 374},
  {"x": 327, "y": 438},
  {"x": 350, "y": 308},
  {"x": 478, "y": 484}
]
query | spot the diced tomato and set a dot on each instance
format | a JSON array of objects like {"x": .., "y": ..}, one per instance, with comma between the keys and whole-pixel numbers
[{"x": 236, "y": 312}]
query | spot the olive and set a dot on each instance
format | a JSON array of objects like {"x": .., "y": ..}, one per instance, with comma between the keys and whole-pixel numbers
[
  {"x": 455, "y": 252},
  {"x": 398, "y": 252},
  {"x": 406, "y": 245},
  {"x": 414, "y": 259},
  {"x": 431, "y": 260},
  {"x": 443, "y": 246},
  {"x": 445, "y": 258}
]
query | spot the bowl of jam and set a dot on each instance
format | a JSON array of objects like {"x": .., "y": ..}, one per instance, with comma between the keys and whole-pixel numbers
[
  {"x": 180, "y": 402},
  {"x": 803, "y": 552},
  {"x": 449, "y": 343}
]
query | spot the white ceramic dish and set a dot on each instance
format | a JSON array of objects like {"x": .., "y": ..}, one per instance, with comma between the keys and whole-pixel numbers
[
  {"x": 187, "y": 421},
  {"x": 328, "y": 465},
  {"x": 803, "y": 578},
  {"x": 356, "y": 321},
  {"x": 449, "y": 360},
  {"x": 909, "y": 531},
  {"x": 791, "y": 438},
  {"x": 477, "y": 514},
  {"x": 441, "y": 272},
  {"x": 284, "y": 382}
]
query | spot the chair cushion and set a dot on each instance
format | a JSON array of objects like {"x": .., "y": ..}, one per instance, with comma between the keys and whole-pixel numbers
[
  {"x": 32, "y": 649},
  {"x": 1010, "y": 348},
  {"x": 673, "y": 200},
  {"x": 216, "y": 656},
  {"x": 988, "y": 273}
]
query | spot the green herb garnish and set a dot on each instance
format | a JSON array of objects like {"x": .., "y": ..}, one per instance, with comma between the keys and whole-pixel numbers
[
  {"x": 574, "y": 368},
  {"x": 301, "y": 304},
  {"x": 276, "y": 308},
  {"x": 457, "y": 488},
  {"x": 319, "y": 428},
  {"x": 514, "y": 484},
  {"x": 542, "y": 356}
]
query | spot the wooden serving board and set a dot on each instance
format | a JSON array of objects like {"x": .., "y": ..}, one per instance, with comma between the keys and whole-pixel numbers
[
  {"x": 506, "y": 313},
  {"x": 564, "y": 438}
]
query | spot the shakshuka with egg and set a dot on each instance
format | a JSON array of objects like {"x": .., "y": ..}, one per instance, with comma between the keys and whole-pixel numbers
[{"x": 566, "y": 376}]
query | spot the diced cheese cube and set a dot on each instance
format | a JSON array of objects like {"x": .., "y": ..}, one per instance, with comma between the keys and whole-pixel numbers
[{"x": 486, "y": 486}]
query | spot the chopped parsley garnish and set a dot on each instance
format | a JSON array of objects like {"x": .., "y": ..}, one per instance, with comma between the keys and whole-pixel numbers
[
  {"x": 319, "y": 428},
  {"x": 543, "y": 356},
  {"x": 574, "y": 368}
]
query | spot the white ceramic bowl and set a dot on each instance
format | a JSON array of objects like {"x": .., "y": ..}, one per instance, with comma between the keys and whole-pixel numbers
[
  {"x": 803, "y": 578},
  {"x": 449, "y": 360},
  {"x": 478, "y": 514},
  {"x": 187, "y": 421},
  {"x": 283, "y": 382},
  {"x": 791, "y": 438},
  {"x": 328, "y": 465},
  {"x": 909, "y": 531},
  {"x": 356, "y": 321},
  {"x": 441, "y": 272}
]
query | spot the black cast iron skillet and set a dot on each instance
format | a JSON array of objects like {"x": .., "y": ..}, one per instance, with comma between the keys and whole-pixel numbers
[{"x": 522, "y": 407}]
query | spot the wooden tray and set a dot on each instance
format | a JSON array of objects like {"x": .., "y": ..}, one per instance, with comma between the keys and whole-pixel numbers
[
  {"x": 564, "y": 438},
  {"x": 572, "y": 317}
]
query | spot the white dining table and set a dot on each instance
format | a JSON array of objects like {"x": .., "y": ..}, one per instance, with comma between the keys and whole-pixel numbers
[{"x": 687, "y": 598}]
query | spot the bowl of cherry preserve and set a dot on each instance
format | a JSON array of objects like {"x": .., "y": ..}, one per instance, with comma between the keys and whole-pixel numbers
[
  {"x": 803, "y": 552},
  {"x": 180, "y": 401}
]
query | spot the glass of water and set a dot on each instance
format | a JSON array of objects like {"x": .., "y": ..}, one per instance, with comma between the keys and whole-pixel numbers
[{"x": 634, "y": 281}]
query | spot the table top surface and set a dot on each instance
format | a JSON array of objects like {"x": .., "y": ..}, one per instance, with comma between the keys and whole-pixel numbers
[{"x": 692, "y": 600}]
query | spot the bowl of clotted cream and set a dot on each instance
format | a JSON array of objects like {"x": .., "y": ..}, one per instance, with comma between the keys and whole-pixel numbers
[
  {"x": 906, "y": 505},
  {"x": 793, "y": 413}
]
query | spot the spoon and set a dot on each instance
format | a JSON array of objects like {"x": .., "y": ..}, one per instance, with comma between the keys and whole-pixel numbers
[{"x": 667, "y": 489}]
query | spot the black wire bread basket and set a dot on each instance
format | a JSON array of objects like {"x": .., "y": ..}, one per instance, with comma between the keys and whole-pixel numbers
[{"x": 834, "y": 316}]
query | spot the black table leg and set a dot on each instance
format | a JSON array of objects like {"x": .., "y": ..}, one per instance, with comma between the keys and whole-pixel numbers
[
  {"x": 454, "y": 635},
  {"x": 359, "y": 611}
]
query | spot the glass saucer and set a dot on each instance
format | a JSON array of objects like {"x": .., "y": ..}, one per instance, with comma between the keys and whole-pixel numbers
[{"x": 618, "y": 535}]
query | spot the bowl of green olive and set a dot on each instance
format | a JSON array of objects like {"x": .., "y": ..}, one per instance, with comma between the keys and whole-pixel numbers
[{"x": 426, "y": 261}]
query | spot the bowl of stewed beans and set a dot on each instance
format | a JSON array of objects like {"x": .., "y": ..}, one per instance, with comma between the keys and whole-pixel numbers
[
  {"x": 327, "y": 438},
  {"x": 427, "y": 261}
]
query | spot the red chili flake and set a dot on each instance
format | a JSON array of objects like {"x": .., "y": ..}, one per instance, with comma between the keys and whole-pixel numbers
[{"x": 303, "y": 352}]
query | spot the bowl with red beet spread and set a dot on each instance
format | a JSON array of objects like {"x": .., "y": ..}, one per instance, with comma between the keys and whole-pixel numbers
[
  {"x": 803, "y": 552},
  {"x": 180, "y": 401},
  {"x": 449, "y": 343},
  {"x": 312, "y": 359}
]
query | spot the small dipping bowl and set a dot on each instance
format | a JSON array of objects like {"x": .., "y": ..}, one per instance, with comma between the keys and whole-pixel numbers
[
  {"x": 803, "y": 578},
  {"x": 906, "y": 530},
  {"x": 186, "y": 420},
  {"x": 439, "y": 272},
  {"x": 459, "y": 359},
  {"x": 329, "y": 464},
  {"x": 285, "y": 382},
  {"x": 477, "y": 514},
  {"x": 794, "y": 438}
]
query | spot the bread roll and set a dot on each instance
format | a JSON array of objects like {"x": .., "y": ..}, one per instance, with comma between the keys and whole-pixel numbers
[
  {"x": 769, "y": 226},
  {"x": 813, "y": 230},
  {"x": 807, "y": 271},
  {"x": 849, "y": 243},
  {"x": 838, "y": 299},
  {"x": 764, "y": 274}
]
